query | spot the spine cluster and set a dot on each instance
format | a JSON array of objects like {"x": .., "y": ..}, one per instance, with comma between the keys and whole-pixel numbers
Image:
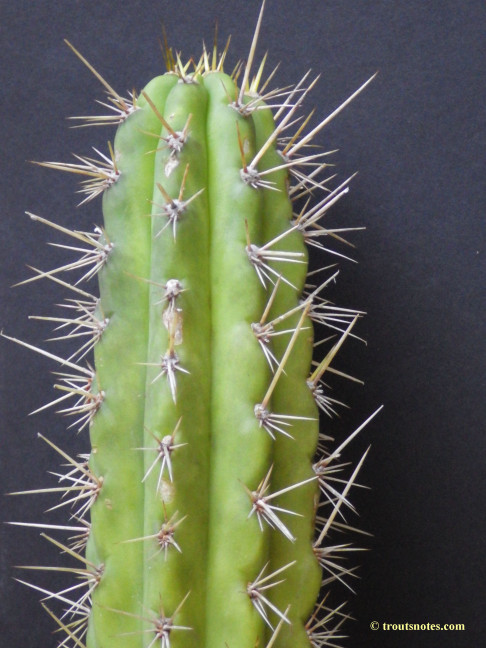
[{"x": 201, "y": 516}]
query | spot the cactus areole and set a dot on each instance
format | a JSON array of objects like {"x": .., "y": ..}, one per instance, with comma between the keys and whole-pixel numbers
[{"x": 209, "y": 512}]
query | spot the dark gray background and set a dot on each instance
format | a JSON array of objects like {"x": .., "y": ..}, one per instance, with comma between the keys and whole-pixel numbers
[{"x": 417, "y": 138}]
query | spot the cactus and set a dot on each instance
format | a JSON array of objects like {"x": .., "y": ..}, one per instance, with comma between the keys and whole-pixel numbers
[{"x": 194, "y": 520}]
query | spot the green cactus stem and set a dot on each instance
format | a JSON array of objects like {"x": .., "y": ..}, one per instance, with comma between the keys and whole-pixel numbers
[{"x": 196, "y": 514}]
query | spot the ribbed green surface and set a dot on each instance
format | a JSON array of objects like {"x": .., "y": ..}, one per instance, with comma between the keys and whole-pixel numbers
[
  {"x": 205, "y": 339},
  {"x": 240, "y": 449},
  {"x": 118, "y": 426},
  {"x": 292, "y": 456}
]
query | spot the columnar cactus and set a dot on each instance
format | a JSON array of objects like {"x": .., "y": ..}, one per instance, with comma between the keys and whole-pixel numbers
[{"x": 196, "y": 515}]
